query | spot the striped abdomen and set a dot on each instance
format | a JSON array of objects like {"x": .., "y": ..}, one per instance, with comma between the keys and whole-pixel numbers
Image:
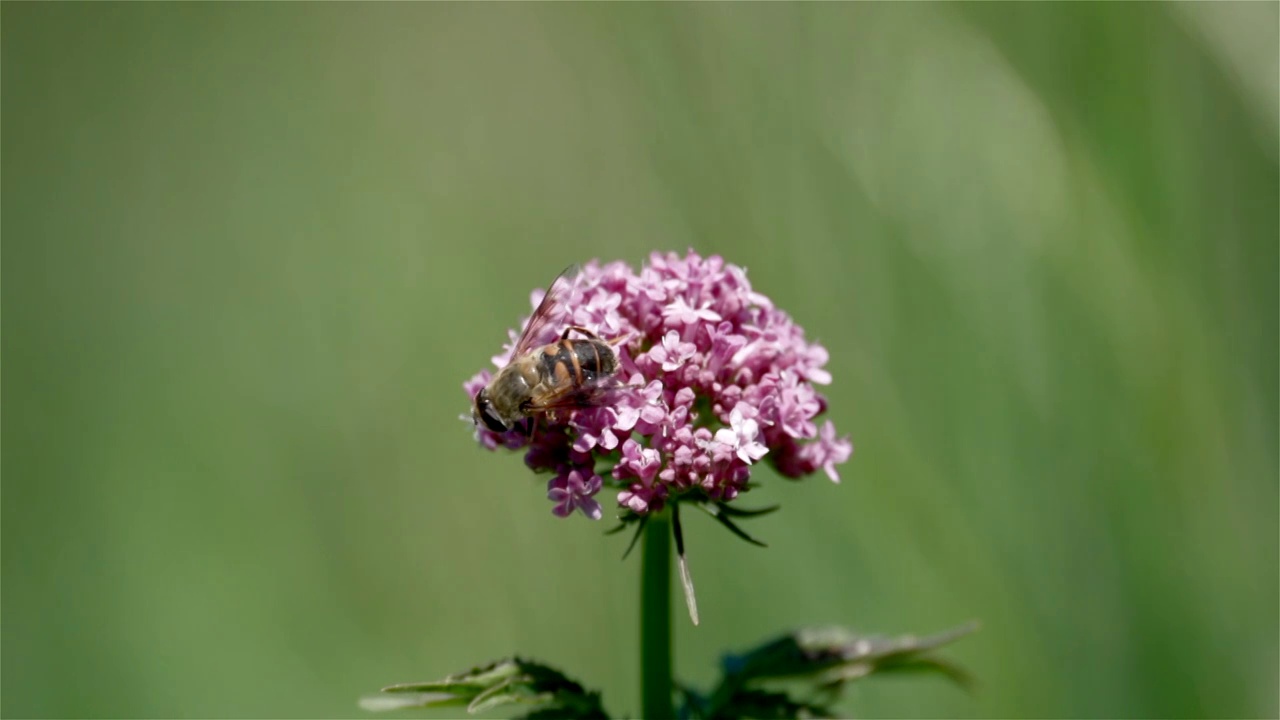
[{"x": 576, "y": 361}]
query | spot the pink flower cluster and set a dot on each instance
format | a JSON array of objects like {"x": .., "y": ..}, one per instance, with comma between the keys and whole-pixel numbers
[{"x": 715, "y": 378}]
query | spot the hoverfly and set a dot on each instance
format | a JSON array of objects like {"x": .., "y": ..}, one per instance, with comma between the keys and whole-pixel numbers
[{"x": 566, "y": 374}]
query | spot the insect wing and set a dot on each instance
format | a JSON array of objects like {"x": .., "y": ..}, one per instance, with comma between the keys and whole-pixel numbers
[
  {"x": 592, "y": 393},
  {"x": 550, "y": 310}
]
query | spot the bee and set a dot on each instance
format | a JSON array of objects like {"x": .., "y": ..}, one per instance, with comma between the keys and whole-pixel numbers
[{"x": 566, "y": 374}]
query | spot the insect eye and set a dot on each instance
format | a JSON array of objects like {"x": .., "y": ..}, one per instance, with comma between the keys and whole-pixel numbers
[
  {"x": 492, "y": 422},
  {"x": 485, "y": 412}
]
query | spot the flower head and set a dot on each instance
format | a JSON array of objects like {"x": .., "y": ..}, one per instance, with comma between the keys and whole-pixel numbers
[{"x": 712, "y": 379}]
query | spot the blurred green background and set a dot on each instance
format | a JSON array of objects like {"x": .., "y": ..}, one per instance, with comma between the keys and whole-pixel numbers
[{"x": 252, "y": 251}]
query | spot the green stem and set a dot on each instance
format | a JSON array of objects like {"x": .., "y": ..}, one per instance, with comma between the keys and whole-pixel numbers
[{"x": 655, "y": 620}]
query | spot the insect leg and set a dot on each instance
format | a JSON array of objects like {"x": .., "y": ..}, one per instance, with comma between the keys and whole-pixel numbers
[{"x": 584, "y": 331}]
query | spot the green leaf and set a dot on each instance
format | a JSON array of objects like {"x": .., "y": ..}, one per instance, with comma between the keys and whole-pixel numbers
[
  {"x": 693, "y": 703},
  {"x": 928, "y": 665},
  {"x": 505, "y": 682},
  {"x": 387, "y": 702},
  {"x": 477, "y": 679},
  {"x": 766, "y": 705},
  {"x": 821, "y": 650},
  {"x": 826, "y": 659}
]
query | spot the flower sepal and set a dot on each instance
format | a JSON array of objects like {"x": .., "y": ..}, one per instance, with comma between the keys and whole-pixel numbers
[{"x": 720, "y": 510}]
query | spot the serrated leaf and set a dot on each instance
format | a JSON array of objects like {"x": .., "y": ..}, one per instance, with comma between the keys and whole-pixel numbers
[
  {"x": 764, "y": 705},
  {"x": 505, "y": 682},
  {"x": 558, "y": 713},
  {"x": 400, "y": 701},
  {"x": 477, "y": 678},
  {"x": 512, "y": 690},
  {"x": 927, "y": 664},
  {"x": 845, "y": 640},
  {"x": 814, "y": 650},
  {"x": 694, "y": 704},
  {"x": 828, "y": 659}
]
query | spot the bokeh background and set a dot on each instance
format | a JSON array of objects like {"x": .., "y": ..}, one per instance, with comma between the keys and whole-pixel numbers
[{"x": 252, "y": 251}]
